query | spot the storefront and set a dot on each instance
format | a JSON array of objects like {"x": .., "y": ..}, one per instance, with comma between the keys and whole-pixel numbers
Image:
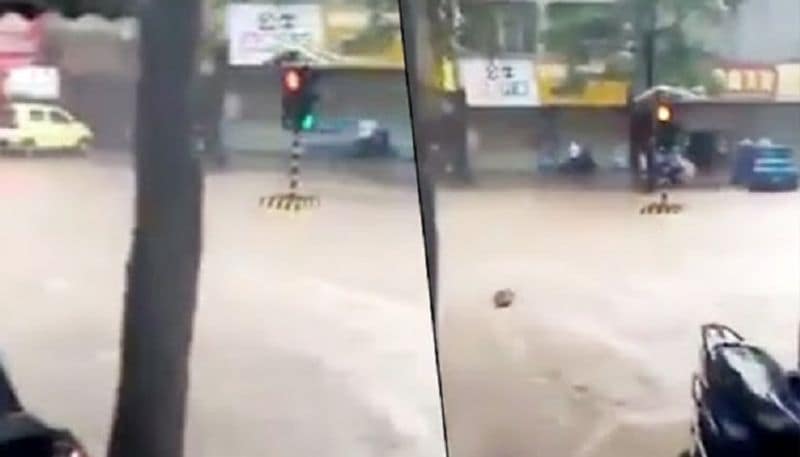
[{"x": 521, "y": 121}]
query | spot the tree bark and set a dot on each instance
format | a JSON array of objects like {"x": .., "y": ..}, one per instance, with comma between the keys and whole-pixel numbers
[{"x": 163, "y": 268}]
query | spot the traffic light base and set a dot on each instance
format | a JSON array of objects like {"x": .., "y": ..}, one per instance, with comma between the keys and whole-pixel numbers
[
  {"x": 663, "y": 206},
  {"x": 289, "y": 202}
]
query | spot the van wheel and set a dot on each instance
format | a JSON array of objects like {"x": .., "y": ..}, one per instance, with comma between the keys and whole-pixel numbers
[
  {"x": 82, "y": 148},
  {"x": 28, "y": 148}
]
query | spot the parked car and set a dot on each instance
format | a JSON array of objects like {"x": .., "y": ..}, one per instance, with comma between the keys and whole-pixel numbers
[
  {"x": 36, "y": 127},
  {"x": 348, "y": 137},
  {"x": 765, "y": 166}
]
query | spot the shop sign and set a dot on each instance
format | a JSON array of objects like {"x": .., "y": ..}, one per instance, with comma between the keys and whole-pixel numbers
[
  {"x": 499, "y": 82},
  {"x": 748, "y": 81},
  {"x": 259, "y": 32}
]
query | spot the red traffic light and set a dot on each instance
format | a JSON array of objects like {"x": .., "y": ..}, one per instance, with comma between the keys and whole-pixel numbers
[{"x": 292, "y": 80}]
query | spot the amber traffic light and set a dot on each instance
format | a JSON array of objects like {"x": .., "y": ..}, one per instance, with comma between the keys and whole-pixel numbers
[{"x": 664, "y": 113}]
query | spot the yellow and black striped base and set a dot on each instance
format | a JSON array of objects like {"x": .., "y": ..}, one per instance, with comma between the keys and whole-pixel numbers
[
  {"x": 663, "y": 206},
  {"x": 289, "y": 202}
]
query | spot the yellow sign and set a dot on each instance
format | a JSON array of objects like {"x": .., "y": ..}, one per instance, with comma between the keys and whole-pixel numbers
[
  {"x": 599, "y": 92},
  {"x": 788, "y": 82},
  {"x": 754, "y": 81},
  {"x": 447, "y": 75},
  {"x": 354, "y": 37}
]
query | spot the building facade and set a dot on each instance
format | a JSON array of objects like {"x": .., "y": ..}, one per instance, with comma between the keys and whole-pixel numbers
[
  {"x": 515, "y": 26},
  {"x": 758, "y": 64}
]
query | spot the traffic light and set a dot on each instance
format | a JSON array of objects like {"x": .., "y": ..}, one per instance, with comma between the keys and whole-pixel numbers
[
  {"x": 299, "y": 98},
  {"x": 665, "y": 128},
  {"x": 664, "y": 113}
]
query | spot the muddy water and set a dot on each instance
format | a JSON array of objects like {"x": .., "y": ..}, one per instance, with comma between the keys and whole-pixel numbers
[{"x": 594, "y": 357}]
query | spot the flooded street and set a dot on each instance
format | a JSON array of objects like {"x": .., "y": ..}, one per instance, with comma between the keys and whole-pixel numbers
[
  {"x": 310, "y": 326},
  {"x": 594, "y": 357},
  {"x": 318, "y": 324},
  {"x": 564, "y": 310}
]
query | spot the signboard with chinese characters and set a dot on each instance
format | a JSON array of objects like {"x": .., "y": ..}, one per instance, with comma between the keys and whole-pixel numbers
[
  {"x": 258, "y": 32},
  {"x": 747, "y": 81},
  {"x": 499, "y": 83}
]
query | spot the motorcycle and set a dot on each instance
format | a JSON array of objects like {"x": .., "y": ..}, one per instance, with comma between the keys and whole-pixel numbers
[
  {"x": 581, "y": 164},
  {"x": 24, "y": 435},
  {"x": 746, "y": 404},
  {"x": 670, "y": 168}
]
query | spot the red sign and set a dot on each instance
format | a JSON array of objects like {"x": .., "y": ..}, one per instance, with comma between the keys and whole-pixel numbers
[{"x": 20, "y": 41}]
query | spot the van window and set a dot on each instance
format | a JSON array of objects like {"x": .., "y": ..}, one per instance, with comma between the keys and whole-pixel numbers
[
  {"x": 36, "y": 115},
  {"x": 58, "y": 118},
  {"x": 8, "y": 118}
]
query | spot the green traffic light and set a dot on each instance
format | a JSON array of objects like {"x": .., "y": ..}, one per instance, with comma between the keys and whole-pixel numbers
[{"x": 308, "y": 122}]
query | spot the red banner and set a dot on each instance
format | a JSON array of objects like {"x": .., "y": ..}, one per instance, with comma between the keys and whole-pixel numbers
[{"x": 20, "y": 41}]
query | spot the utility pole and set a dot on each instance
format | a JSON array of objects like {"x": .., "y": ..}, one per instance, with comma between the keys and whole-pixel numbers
[
  {"x": 644, "y": 78},
  {"x": 649, "y": 49}
]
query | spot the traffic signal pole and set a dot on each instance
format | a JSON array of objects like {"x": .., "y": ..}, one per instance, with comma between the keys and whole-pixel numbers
[
  {"x": 294, "y": 167},
  {"x": 643, "y": 125},
  {"x": 649, "y": 67},
  {"x": 299, "y": 98}
]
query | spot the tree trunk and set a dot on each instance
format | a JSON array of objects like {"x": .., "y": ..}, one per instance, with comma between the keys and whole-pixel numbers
[{"x": 165, "y": 256}]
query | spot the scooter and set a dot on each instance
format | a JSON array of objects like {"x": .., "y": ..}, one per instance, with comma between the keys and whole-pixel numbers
[
  {"x": 746, "y": 404},
  {"x": 24, "y": 435},
  {"x": 582, "y": 164}
]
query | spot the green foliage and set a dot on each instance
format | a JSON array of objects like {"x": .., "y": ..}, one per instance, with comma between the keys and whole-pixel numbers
[
  {"x": 479, "y": 26},
  {"x": 372, "y": 40},
  {"x": 583, "y": 34},
  {"x": 678, "y": 61},
  {"x": 479, "y": 31},
  {"x": 378, "y": 35},
  {"x": 443, "y": 32}
]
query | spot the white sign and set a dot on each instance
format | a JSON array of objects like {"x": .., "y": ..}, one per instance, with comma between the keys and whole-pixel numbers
[
  {"x": 503, "y": 82},
  {"x": 258, "y": 32},
  {"x": 35, "y": 82}
]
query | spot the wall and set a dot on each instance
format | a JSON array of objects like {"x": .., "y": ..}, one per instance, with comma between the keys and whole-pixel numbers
[
  {"x": 779, "y": 122},
  {"x": 511, "y": 140},
  {"x": 107, "y": 104}
]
